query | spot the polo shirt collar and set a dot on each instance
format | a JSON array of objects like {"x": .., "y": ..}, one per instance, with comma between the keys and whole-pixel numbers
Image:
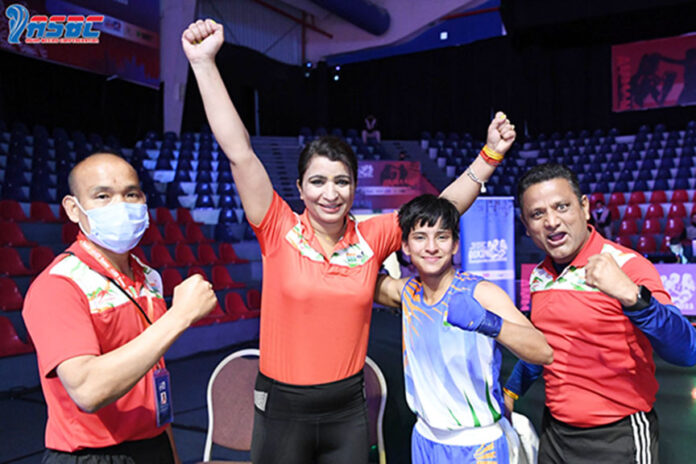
[
  {"x": 349, "y": 236},
  {"x": 592, "y": 247}
]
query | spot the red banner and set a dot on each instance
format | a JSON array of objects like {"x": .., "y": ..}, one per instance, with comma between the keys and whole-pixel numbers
[
  {"x": 389, "y": 184},
  {"x": 654, "y": 73}
]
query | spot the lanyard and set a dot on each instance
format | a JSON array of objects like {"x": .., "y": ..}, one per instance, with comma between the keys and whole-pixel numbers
[{"x": 116, "y": 278}]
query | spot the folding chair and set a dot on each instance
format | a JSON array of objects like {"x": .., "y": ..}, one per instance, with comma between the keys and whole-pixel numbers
[
  {"x": 376, "y": 395},
  {"x": 230, "y": 395},
  {"x": 231, "y": 403}
]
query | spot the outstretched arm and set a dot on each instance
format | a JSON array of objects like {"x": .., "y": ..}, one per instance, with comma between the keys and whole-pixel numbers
[
  {"x": 201, "y": 42},
  {"x": 464, "y": 190}
]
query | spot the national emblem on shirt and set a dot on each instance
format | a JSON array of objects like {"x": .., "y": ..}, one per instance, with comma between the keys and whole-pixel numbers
[
  {"x": 101, "y": 293},
  {"x": 355, "y": 254},
  {"x": 572, "y": 277}
]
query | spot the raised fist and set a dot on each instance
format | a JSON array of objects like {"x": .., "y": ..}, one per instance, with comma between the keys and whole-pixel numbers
[{"x": 202, "y": 40}]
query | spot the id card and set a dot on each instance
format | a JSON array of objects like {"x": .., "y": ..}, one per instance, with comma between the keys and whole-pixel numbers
[{"x": 163, "y": 397}]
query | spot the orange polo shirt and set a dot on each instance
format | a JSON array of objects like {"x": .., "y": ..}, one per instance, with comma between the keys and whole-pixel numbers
[{"x": 315, "y": 312}]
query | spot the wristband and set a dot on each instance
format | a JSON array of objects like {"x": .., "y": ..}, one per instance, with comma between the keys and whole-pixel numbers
[
  {"x": 491, "y": 156},
  {"x": 489, "y": 160},
  {"x": 492, "y": 153},
  {"x": 490, "y": 325}
]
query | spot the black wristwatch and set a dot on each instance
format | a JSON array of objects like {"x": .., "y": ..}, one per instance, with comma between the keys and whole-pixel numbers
[{"x": 643, "y": 300}]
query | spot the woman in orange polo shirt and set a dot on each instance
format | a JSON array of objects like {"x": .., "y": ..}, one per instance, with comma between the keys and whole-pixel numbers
[{"x": 319, "y": 274}]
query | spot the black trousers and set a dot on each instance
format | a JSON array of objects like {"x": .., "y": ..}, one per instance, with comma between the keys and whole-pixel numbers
[
  {"x": 321, "y": 424},
  {"x": 633, "y": 439},
  {"x": 156, "y": 450}
]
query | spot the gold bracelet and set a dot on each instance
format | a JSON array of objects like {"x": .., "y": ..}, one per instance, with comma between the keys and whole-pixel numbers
[
  {"x": 472, "y": 175},
  {"x": 512, "y": 395}
]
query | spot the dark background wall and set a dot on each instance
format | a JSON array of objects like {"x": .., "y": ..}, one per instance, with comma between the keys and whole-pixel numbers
[
  {"x": 552, "y": 72},
  {"x": 38, "y": 92}
]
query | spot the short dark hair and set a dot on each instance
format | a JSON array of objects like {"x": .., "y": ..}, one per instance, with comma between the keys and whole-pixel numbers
[
  {"x": 544, "y": 172},
  {"x": 427, "y": 209},
  {"x": 334, "y": 148}
]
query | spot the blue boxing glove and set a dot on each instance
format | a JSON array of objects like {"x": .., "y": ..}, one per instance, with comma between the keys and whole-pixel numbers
[{"x": 466, "y": 313}]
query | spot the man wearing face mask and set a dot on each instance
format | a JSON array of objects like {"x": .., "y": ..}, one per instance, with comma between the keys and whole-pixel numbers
[{"x": 101, "y": 327}]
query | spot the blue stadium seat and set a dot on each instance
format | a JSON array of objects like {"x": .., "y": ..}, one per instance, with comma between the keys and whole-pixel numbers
[
  {"x": 204, "y": 176},
  {"x": 667, "y": 163},
  {"x": 683, "y": 173},
  {"x": 204, "y": 189},
  {"x": 621, "y": 186},
  {"x": 182, "y": 176},
  {"x": 686, "y": 162},
  {"x": 225, "y": 176},
  {"x": 163, "y": 164},
  {"x": 661, "y": 183},
  {"x": 228, "y": 215},
  {"x": 225, "y": 188},
  {"x": 640, "y": 185},
  {"x": 205, "y": 165},
  {"x": 13, "y": 190},
  {"x": 227, "y": 201},
  {"x": 205, "y": 201},
  {"x": 184, "y": 165},
  {"x": 602, "y": 187},
  {"x": 681, "y": 183}
]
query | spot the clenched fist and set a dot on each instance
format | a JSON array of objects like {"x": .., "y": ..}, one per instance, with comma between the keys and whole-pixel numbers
[
  {"x": 202, "y": 40},
  {"x": 603, "y": 273},
  {"x": 194, "y": 298},
  {"x": 501, "y": 133}
]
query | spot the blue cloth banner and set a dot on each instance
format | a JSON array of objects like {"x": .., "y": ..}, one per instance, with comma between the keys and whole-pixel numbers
[{"x": 487, "y": 241}]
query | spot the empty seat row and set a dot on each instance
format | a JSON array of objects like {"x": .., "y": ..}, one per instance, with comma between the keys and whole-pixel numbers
[{"x": 160, "y": 257}]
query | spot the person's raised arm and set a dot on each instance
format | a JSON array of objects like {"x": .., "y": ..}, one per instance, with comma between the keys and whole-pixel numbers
[
  {"x": 491, "y": 312},
  {"x": 464, "y": 190},
  {"x": 97, "y": 381},
  {"x": 201, "y": 42}
]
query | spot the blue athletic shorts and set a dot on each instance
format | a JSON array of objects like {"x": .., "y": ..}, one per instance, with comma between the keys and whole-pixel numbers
[{"x": 424, "y": 451}]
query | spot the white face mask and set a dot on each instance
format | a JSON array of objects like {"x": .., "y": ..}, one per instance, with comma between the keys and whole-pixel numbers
[{"x": 118, "y": 227}]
